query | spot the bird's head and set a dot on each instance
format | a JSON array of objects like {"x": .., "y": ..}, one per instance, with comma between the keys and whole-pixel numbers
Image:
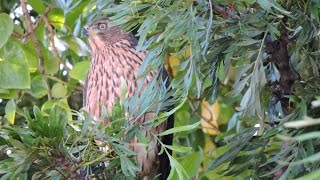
[
  {"x": 100, "y": 33},
  {"x": 97, "y": 27}
]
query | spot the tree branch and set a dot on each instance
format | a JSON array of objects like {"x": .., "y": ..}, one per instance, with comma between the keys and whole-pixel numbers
[
  {"x": 30, "y": 30},
  {"x": 54, "y": 49},
  {"x": 26, "y": 35},
  {"x": 63, "y": 82}
]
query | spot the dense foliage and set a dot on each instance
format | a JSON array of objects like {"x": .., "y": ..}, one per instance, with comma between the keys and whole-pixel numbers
[{"x": 244, "y": 83}]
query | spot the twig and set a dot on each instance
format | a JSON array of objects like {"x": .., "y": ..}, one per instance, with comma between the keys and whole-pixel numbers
[
  {"x": 26, "y": 35},
  {"x": 209, "y": 27},
  {"x": 196, "y": 109},
  {"x": 59, "y": 171},
  {"x": 23, "y": 4},
  {"x": 30, "y": 32},
  {"x": 63, "y": 82},
  {"x": 54, "y": 49}
]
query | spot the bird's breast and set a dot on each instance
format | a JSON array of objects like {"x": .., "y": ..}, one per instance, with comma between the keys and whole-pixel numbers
[{"x": 112, "y": 71}]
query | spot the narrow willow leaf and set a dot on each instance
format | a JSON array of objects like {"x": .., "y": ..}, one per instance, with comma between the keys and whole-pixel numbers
[
  {"x": 267, "y": 4},
  {"x": 192, "y": 163},
  {"x": 311, "y": 159},
  {"x": 312, "y": 175},
  {"x": 248, "y": 42},
  {"x": 128, "y": 167},
  {"x": 307, "y": 136},
  {"x": 278, "y": 156},
  {"x": 227, "y": 62},
  {"x": 180, "y": 129},
  {"x": 123, "y": 150},
  {"x": 182, "y": 174},
  {"x": 180, "y": 149},
  {"x": 232, "y": 153},
  {"x": 274, "y": 170},
  {"x": 307, "y": 121},
  {"x": 302, "y": 137},
  {"x": 100, "y": 158},
  {"x": 279, "y": 7}
]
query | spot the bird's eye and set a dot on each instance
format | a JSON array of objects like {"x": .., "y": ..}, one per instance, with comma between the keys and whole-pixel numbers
[{"x": 102, "y": 26}]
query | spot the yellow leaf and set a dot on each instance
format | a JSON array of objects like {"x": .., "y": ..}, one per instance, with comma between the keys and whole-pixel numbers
[
  {"x": 10, "y": 111},
  {"x": 209, "y": 145},
  {"x": 173, "y": 61},
  {"x": 209, "y": 117}
]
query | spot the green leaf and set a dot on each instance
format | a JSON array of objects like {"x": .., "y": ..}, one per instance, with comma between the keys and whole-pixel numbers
[
  {"x": 76, "y": 45},
  {"x": 248, "y": 42},
  {"x": 123, "y": 150},
  {"x": 307, "y": 121},
  {"x": 180, "y": 129},
  {"x": 58, "y": 90},
  {"x": 19, "y": 145},
  {"x": 56, "y": 16},
  {"x": 311, "y": 159},
  {"x": 37, "y": 5},
  {"x": 307, "y": 136},
  {"x": 51, "y": 64},
  {"x": 10, "y": 110},
  {"x": 176, "y": 166},
  {"x": 8, "y": 93},
  {"x": 5, "y": 28},
  {"x": 180, "y": 149},
  {"x": 312, "y": 175},
  {"x": 234, "y": 150},
  {"x": 39, "y": 87},
  {"x": 62, "y": 103},
  {"x": 267, "y": 4},
  {"x": 80, "y": 70},
  {"x": 192, "y": 163},
  {"x": 128, "y": 167},
  {"x": 227, "y": 156},
  {"x": 31, "y": 56},
  {"x": 13, "y": 71}
]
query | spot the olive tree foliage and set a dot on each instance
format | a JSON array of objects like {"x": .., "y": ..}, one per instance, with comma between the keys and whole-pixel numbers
[{"x": 258, "y": 59}]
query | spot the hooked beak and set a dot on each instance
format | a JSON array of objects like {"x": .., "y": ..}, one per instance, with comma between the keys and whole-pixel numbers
[{"x": 85, "y": 30}]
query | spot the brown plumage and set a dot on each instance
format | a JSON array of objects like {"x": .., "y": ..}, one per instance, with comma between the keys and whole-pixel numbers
[{"x": 114, "y": 60}]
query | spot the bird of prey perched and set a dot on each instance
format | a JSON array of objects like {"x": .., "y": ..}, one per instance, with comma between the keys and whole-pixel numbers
[{"x": 114, "y": 59}]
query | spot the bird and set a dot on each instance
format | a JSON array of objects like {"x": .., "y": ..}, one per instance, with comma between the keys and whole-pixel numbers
[{"x": 114, "y": 60}]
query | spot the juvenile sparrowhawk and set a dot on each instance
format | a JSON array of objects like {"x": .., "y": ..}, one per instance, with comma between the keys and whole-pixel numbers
[{"x": 114, "y": 59}]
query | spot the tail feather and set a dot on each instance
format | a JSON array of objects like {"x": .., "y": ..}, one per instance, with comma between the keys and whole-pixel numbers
[{"x": 164, "y": 167}]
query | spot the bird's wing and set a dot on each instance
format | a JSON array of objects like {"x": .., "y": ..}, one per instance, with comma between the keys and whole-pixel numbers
[{"x": 164, "y": 163}]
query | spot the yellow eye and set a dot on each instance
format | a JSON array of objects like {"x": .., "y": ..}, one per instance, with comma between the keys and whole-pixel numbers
[{"x": 102, "y": 26}]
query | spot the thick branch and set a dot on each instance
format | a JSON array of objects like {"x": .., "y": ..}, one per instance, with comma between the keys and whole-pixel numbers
[{"x": 279, "y": 55}]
